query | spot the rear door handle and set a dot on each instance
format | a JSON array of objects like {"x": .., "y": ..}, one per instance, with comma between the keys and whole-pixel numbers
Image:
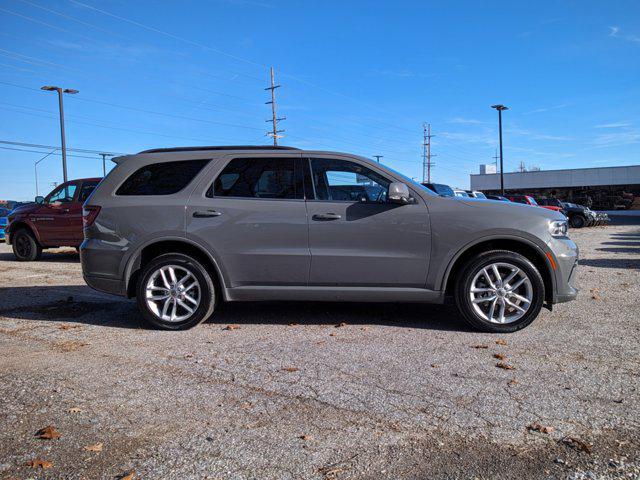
[
  {"x": 206, "y": 214},
  {"x": 326, "y": 216}
]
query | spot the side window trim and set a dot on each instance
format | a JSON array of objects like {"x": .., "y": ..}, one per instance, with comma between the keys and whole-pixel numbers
[
  {"x": 300, "y": 196},
  {"x": 351, "y": 160}
]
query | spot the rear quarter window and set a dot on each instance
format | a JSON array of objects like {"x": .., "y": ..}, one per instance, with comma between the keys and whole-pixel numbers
[{"x": 161, "y": 178}]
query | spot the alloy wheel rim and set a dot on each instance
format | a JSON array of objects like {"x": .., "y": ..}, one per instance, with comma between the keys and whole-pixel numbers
[
  {"x": 23, "y": 246},
  {"x": 501, "y": 293},
  {"x": 173, "y": 293}
]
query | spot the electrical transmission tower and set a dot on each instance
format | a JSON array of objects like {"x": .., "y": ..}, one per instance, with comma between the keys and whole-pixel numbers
[
  {"x": 274, "y": 133},
  {"x": 426, "y": 152},
  {"x": 496, "y": 157}
]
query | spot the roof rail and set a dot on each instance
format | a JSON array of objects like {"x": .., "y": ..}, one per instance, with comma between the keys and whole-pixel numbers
[{"x": 219, "y": 147}]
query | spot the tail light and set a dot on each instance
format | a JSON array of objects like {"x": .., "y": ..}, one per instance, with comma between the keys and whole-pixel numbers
[{"x": 89, "y": 215}]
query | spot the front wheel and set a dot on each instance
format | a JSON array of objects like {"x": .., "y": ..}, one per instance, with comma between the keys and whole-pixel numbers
[
  {"x": 578, "y": 221},
  {"x": 175, "y": 292},
  {"x": 25, "y": 247},
  {"x": 499, "y": 291}
]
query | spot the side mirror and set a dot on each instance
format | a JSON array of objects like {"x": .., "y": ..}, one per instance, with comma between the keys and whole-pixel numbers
[
  {"x": 399, "y": 193},
  {"x": 39, "y": 200}
]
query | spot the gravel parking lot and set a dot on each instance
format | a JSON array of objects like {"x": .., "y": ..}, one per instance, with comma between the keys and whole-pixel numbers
[{"x": 301, "y": 390}]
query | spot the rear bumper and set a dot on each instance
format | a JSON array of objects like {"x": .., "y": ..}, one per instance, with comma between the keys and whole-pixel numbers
[
  {"x": 100, "y": 266},
  {"x": 106, "y": 285}
]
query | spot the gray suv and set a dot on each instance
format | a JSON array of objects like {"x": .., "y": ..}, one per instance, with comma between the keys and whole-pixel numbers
[{"x": 182, "y": 229}]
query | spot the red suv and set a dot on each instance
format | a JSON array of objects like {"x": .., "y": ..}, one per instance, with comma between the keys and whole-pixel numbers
[
  {"x": 527, "y": 200},
  {"x": 52, "y": 221}
]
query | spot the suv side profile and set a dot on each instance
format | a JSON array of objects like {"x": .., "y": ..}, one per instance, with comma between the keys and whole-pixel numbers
[
  {"x": 182, "y": 229},
  {"x": 51, "y": 221}
]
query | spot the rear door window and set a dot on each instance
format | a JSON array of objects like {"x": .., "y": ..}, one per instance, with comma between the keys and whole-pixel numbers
[
  {"x": 86, "y": 190},
  {"x": 264, "y": 178},
  {"x": 161, "y": 178}
]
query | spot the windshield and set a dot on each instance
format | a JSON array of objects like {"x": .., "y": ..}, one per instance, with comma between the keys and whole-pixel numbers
[
  {"x": 532, "y": 201},
  {"x": 442, "y": 189},
  {"x": 480, "y": 195}
]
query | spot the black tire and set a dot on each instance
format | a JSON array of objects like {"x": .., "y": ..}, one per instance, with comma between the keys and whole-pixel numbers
[
  {"x": 25, "y": 246},
  {"x": 578, "y": 221},
  {"x": 208, "y": 297},
  {"x": 475, "y": 265}
]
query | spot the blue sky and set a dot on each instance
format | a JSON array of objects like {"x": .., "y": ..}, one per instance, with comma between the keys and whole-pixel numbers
[{"x": 356, "y": 76}]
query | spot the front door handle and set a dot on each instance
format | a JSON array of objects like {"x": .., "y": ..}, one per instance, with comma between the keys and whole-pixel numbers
[
  {"x": 326, "y": 216},
  {"x": 206, "y": 214}
]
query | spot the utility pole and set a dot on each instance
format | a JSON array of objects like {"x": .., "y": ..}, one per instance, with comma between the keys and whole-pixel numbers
[
  {"x": 274, "y": 133},
  {"x": 104, "y": 163},
  {"x": 62, "y": 136},
  {"x": 522, "y": 167},
  {"x": 500, "y": 108},
  {"x": 426, "y": 152},
  {"x": 378, "y": 157}
]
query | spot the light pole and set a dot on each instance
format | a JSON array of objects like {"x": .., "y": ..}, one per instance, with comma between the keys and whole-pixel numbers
[
  {"x": 378, "y": 157},
  {"x": 35, "y": 167},
  {"x": 500, "y": 108},
  {"x": 64, "y": 145}
]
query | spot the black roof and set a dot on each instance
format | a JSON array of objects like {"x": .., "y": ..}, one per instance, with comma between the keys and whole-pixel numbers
[{"x": 218, "y": 147}]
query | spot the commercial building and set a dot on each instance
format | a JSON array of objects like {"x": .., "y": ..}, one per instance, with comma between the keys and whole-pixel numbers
[{"x": 603, "y": 188}]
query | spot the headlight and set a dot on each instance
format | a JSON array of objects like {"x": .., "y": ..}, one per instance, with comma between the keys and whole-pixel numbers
[{"x": 558, "y": 228}]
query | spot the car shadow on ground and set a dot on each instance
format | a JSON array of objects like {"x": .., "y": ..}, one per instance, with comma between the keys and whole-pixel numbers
[
  {"x": 628, "y": 263},
  {"x": 80, "y": 304},
  {"x": 65, "y": 256}
]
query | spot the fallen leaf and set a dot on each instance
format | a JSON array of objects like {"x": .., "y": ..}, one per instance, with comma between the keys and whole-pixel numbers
[
  {"x": 128, "y": 476},
  {"x": 93, "y": 448},
  {"x": 434, "y": 365},
  {"x": 536, "y": 427},
  {"x": 505, "y": 366},
  {"x": 290, "y": 369},
  {"x": 341, "y": 324},
  {"x": 595, "y": 294},
  {"x": 39, "y": 463},
  {"x": 499, "y": 356},
  {"x": 306, "y": 437},
  {"x": 74, "y": 410},
  {"x": 67, "y": 326},
  {"x": 479, "y": 346},
  {"x": 232, "y": 327},
  {"x": 364, "y": 329},
  {"x": 71, "y": 346},
  {"x": 577, "y": 444},
  {"x": 332, "y": 334},
  {"x": 293, "y": 324},
  {"x": 48, "y": 433},
  {"x": 501, "y": 342},
  {"x": 512, "y": 382}
]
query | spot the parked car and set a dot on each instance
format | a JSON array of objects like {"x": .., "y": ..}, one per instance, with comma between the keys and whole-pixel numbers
[
  {"x": 529, "y": 200},
  {"x": 475, "y": 194},
  {"x": 182, "y": 229},
  {"x": 498, "y": 197},
  {"x": 51, "y": 221},
  {"x": 579, "y": 216},
  {"x": 460, "y": 193},
  {"x": 3, "y": 221},
  {"x": 440, "y": 188}
]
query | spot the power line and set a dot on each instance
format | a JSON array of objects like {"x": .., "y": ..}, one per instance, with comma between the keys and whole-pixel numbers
[
  {"x": 82, "y": 150},
  {"x": 41, "y": 152},
  {"x": 274, "y": 133}
]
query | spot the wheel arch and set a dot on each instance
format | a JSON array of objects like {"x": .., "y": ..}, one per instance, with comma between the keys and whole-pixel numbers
[
  {"x": 19, "y": 224},
  {"x": 173, "y": 245},
  {"x": 525, "y": 248}
]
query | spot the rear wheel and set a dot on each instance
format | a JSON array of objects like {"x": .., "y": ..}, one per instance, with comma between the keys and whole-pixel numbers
[
  {"x": 499, "y": 291},
  {"x": 175, "y": 292},
  {"x": 578, "y": 221},
  {"x": 25, "y": 247}
]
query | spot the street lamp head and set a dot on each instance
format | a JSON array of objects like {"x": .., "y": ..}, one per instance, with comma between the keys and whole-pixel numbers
[
  {"x": 499, "y": 107},
  {"x": 70, "y": 91},
  {"x": 49, "y": 89}
]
